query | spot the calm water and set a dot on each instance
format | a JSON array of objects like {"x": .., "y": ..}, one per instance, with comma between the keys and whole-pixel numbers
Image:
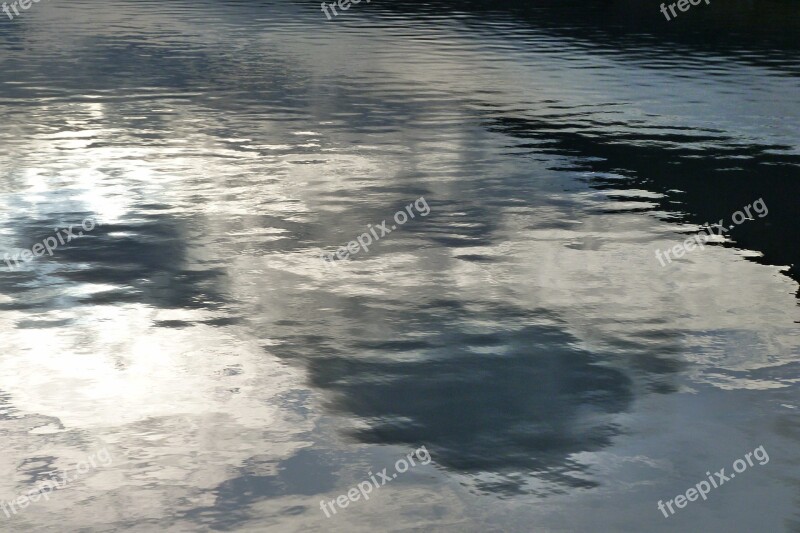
[{"x": 523, "y": 331}]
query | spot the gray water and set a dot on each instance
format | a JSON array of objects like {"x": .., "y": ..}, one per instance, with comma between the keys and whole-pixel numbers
[{"x": 193, "y": 364}]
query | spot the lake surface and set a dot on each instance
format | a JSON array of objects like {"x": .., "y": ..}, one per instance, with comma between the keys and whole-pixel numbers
[{"x": 192, "y": 363}]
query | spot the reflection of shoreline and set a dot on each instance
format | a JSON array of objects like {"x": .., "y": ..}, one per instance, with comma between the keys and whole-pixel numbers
[{"x": 680, "y": 181}]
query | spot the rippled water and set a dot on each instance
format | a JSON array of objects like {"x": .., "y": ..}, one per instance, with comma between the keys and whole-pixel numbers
[{"x": 523, "y": 331}]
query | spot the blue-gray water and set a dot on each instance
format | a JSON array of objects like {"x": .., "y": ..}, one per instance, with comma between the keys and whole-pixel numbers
[{"x": 524, "y": 331}]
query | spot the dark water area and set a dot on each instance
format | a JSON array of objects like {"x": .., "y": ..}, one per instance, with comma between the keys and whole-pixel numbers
[{"x": 184, "y": 344}]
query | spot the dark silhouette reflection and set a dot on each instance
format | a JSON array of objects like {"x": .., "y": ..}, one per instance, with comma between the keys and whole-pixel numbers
[
  {"x": 523, "y": 405},
  {"x": 698, "y": 185},
  {"x": 305, "y": 473},
  {"x": 146, "y": 261}
]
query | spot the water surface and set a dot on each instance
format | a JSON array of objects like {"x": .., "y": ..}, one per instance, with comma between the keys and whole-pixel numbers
[{"x": 523, "y": 331}]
